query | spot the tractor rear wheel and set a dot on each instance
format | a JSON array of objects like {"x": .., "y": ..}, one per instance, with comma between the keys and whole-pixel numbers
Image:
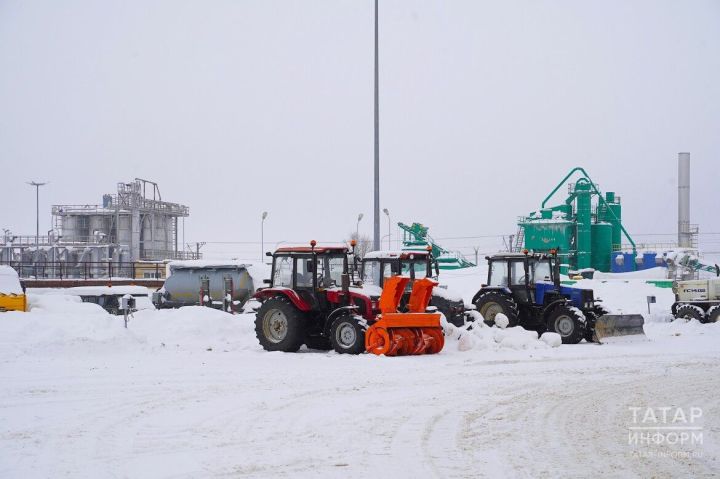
[
  {"x": 713, "y": 315},
  {"x": 492, "y": 303},
  {"x": 280, "y": 326},
  {"x": 347, "y": 335},
  {"x": 568, "y": 322},
  {"x": 690, "y": 311}
]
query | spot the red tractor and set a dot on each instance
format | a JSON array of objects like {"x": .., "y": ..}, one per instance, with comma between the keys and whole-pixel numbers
[{"x": 310, "y": 300}]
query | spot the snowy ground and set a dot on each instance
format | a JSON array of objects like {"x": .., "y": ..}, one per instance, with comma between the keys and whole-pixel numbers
[{"x": 189, "y": 393}]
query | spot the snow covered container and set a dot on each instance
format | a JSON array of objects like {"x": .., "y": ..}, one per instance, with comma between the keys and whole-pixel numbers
[
  {"x": 12, "y": 296},
  {"x": 183, "y": 285}
]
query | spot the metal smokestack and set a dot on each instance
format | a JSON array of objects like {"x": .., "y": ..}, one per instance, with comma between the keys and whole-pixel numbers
[{"x": 684, "y": 234}]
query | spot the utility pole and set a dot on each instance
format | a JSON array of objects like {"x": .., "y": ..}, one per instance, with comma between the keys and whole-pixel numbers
[
  {"x": 198, "y": 245},
  {"x": 376, "y": 225},
  {"x": 477, "y": 249},
  {"x": 37, "y": 212}
]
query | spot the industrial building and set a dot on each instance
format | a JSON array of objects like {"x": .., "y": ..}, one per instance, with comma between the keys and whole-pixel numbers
[{"x": 131, "y": 228}]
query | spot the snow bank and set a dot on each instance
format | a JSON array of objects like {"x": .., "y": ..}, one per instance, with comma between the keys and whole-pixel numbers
[
  {"x": 650, "y": 273},
  {"x": 63, "y": 324}
]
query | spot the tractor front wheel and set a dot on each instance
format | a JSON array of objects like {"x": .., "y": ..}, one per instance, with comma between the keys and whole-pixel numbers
[
  {"x": 347, "y": 335},
  {"x": 713, "y": 315},
  {"x": 492, "y": 303},
  {"x": 280, "y": 326},
  {"x": 568, "y": 322},
  {"x": 690, "y": 311}
]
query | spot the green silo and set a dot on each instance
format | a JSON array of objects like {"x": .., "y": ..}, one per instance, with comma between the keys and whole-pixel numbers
[
  {"x": 610, "y": 211},
  {"x": 601, "y": 246},
  {"x": 583, "y": 220},
  {"x": 545, "y": 233}
]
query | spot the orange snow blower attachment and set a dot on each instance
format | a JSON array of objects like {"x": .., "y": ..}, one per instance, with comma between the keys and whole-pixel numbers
[{"x": 411, "y": 333}]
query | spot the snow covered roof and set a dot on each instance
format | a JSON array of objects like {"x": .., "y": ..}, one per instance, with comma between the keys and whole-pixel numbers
[
  {"x": 9, "y": 281},
  {"x": 395, "y": 254},
  {"x": 320, "y": 248},
  {"x": 208, "y": 263}
]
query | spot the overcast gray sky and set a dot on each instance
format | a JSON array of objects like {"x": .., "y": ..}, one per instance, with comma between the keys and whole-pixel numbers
[{"x": 236, "y": 107}]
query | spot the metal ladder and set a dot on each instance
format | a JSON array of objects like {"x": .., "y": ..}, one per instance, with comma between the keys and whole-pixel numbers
[{"x": 519, "y": 240}]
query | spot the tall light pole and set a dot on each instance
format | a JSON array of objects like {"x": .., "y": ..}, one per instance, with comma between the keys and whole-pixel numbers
[
  {"x": 37, "y": 211},
  {"x": 387, "y": 213},
  {"x": 357, "y": 227},
  {"x": 376, "y": 226},
  {"x": 262, "y": 237}
]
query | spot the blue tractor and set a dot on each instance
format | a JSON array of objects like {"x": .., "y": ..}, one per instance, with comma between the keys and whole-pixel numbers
[{"x": 526, "y": 288}]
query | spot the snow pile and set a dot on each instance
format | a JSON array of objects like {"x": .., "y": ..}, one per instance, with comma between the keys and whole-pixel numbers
[
  {"x": 479, "y": 336},
  {"x": 682, "y": 327},
  {"x": 553, "y": 340},
  {"x": 9, "y": 281},
  {"x": 502, "y": 321}
]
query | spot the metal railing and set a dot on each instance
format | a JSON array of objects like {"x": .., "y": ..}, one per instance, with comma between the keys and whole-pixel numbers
[{"x": 86, "y": 270}]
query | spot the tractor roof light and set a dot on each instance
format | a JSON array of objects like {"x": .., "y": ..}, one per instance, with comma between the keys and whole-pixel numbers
[
  {"x": 428, "y": 248},
  {"x": 353, "y": 243},
  {"x": 526, "y": 252},
  {"x": 313, "y": 243}
]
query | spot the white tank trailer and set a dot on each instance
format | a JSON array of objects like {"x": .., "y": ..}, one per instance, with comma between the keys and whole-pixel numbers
[{"x": 202, "y": 283}]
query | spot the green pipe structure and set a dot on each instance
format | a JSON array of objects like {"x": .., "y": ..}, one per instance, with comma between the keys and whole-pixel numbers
[{"x": 600, "y": 196}]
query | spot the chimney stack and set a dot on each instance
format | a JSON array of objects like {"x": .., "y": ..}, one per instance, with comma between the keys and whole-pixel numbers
[{"x": 684, "y": 234}]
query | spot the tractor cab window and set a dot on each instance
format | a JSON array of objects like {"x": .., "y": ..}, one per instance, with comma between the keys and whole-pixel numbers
[
  {"x": 333, "y": 269},
  {"x": 283, "y": 272},
  {"x": 541, "y": 272},
  {"x": 498, "y": 273},
  {"x": 372, "y": 272},
  {"x": 416, "y": 269},
  {"x": 304, "y": 271},
  {"x": 518, "y": 273}
]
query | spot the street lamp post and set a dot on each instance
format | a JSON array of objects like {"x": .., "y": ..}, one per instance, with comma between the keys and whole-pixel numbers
[
  {"x": 376, "y": 193},
  {"x": 37, "y": 212},
  {"x": 262, "y": 236},
  {"x": 387, "y": 213},
  {"x": 357, "y": 227}
]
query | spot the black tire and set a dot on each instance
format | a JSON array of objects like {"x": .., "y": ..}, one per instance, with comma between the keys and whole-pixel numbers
[
  {"x": 347, "y": 335},
  {"x": 568, "y": 322},
  {"x": 591, "y": 317},
  {"x": 321, "y": 343},
  {"x": 491, "y": 303},
  {"x": 454, "y": 311},
  {"x": 690, "y": 311},
  {"x": 713, "y": 314},
  {"x": 280, "y": 326}
]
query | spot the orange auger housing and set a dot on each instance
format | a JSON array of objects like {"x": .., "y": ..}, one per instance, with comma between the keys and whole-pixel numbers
[{"x": 401, "y": 334}]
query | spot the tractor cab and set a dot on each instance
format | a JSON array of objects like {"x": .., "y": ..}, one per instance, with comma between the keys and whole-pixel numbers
[
  {"x": 309, "y": 271},
  {"x": 377, "y": 266},
  {"x": 523, "y": 273}
]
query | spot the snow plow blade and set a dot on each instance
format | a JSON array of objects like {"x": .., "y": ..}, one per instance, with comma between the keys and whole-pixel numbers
[
  {"x": 609, "y": 327},
  {"x": 403, "y": 334}
]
